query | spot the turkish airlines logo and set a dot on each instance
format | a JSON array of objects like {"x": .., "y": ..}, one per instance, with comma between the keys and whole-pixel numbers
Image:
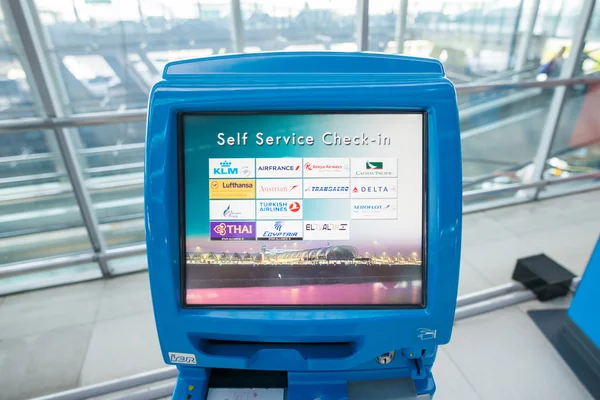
[{"x": 294, "y": 206}]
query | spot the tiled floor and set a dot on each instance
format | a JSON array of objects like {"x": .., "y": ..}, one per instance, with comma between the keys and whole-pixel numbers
[{"x": 56, "y": 339}]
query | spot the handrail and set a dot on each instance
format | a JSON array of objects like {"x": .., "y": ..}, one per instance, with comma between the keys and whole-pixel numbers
[{"x": 138, "y": 115}]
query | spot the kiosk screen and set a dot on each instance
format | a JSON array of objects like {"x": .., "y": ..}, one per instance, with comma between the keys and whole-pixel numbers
[{"x": 303, "y": 209}]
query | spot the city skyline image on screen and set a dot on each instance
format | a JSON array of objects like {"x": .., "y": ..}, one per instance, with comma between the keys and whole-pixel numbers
[{"x": 314, "y": 209}]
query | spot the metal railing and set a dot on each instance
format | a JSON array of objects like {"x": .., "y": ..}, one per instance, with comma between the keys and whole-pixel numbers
[{"x": 139, "y": 115}]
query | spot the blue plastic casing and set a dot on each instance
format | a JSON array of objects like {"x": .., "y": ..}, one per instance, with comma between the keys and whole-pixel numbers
[{"x": 307, "y": 81}]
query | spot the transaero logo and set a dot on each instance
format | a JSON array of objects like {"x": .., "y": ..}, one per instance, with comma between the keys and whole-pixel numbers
[{"x": 318, "y": 188}]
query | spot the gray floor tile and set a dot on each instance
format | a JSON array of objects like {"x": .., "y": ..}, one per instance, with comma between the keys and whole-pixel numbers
[
  {"x": 496, "y": 260},
  {"x": 570, "y": 245},
  {"x": 44, "y": 310},
  {"x": 120, "y": 347},
  {"x": 504, "y": 356},
  {"x": 470, "y": 280},
  {"x": 126, "y": 295},
  {"x": 480, "y": 228},
  {"x": 42, "y": 363},
  {"x": 450, "y": 382},
  {"x": 530, "y": 217},
  {"x": 560, "y": 302}
]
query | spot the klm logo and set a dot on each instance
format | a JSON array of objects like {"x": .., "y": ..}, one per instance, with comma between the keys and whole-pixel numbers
[
  {"x": 225, "y": 169},
  {"x": 182, "y": 358}
]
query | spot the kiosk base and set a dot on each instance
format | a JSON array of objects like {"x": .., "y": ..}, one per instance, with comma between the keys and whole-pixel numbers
[{"x": 221, "y": 384}]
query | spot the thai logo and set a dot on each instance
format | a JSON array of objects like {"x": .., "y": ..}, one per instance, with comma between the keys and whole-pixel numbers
[
  {"x": 221, "y": 229},
  {"x": 232, "y": 230}
]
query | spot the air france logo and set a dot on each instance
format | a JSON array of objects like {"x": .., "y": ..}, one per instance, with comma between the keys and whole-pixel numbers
[{"x": 279, "y": 168}]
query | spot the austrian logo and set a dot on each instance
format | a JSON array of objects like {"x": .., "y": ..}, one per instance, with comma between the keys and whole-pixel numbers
[{"x": 278, "y": 188}]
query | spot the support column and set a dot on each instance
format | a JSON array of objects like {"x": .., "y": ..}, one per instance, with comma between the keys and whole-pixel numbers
[
  {"x": 558, "y": 99},
  {"x": 28, "y": 28},
  {"x": 525, "y": 41},
  {"x": 237, "y": 27},
  {"x": 362, "y": 25},
  {"x": 400, "y": 34}
]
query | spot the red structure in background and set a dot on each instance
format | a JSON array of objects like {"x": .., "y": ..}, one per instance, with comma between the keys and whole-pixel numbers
[{"x": 587, "y": 128}]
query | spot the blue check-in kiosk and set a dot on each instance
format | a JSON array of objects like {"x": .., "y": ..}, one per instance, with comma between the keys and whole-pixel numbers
[{"x": 303, "y": 223}]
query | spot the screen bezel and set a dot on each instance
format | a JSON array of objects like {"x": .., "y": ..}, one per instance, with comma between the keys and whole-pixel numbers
[{"x": 182, "y": 220}]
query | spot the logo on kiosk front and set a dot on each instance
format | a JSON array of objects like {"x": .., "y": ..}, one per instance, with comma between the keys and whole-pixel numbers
[
  {"x": 221, "y": 168},
  {"x": 182, "y": 358},
  {"x": 230, "y": 189},
  {"x": 280, "y": 210},
  {"x": 279, "y": 230},
  {"x": 374, "y": 165},
  {"x": 225, "y": 230}
]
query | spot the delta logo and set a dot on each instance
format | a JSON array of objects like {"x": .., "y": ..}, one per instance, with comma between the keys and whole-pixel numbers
[{"x": 371, "y": 189}]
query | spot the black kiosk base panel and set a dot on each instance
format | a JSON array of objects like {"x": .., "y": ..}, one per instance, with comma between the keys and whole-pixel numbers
[
  {"x": 200, "y": 276},
  {"x": 578, "y": 351},
  {"x": 389, "y": 389},
  {"x": 543, "y": 276}
]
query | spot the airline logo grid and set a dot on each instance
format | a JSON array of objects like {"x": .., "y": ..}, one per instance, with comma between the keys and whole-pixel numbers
[{"x": 261, "y": 199}]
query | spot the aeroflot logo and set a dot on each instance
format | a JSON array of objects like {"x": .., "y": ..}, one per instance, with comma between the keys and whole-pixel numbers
[{"x": 182, "y": 358}]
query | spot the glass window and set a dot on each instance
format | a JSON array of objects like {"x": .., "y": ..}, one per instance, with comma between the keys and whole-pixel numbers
[
  {"x": 299, "y": 25},
  {"x": 16, "y": 98}
]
